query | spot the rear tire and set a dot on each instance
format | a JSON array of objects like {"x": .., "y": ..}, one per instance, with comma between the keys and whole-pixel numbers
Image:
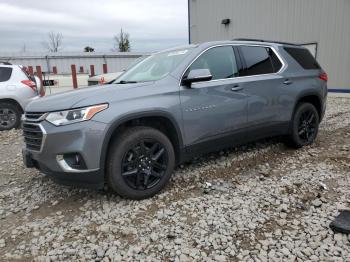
[
  {"x": 10, "y": 116},
  {"x": 140, "y": 163},
  {"x": 304, "y": 127}
]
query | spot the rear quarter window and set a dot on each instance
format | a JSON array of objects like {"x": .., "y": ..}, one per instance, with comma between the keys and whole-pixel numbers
[
  {"x": 303, "y": 57},
  {"x": 5, "y": 73}
]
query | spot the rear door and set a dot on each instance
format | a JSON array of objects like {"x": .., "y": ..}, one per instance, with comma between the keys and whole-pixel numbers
[
  {"x": 263, "y": 85},
  {"x": 217, "y": 108}
]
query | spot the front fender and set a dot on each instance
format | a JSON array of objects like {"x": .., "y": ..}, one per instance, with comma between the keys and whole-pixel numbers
[{"x": 135, "y": 115}]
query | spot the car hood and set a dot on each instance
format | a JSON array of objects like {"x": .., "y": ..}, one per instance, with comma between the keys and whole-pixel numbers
[{"x": 86, "y": 97}]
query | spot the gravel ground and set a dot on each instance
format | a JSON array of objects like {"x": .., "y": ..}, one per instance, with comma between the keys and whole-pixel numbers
[{"x": 260, "y": 202}]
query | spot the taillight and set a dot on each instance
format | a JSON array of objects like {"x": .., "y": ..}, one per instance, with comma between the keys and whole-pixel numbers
[
  {"x": 324, "y": 77},
  {"x": 29, "y": 83}
]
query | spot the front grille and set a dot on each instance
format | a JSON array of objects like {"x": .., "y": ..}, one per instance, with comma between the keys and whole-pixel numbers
[
  {"x": 33, "y": 136},
  {"x": 34, "y": 116}
]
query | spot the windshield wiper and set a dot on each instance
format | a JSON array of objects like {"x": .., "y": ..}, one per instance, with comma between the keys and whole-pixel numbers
[{"x": 126, "y": 82}]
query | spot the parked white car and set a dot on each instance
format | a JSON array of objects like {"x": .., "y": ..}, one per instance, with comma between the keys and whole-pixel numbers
[{"x": 17, "y": 89}]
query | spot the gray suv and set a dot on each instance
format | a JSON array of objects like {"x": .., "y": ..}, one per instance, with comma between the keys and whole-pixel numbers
[{"x": 172, "y": 106}]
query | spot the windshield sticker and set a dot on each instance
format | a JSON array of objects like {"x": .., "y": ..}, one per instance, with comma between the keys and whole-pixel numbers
[{"x": 182, "y": 52}]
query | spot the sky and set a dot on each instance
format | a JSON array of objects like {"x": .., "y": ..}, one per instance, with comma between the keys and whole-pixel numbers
[{"x": 153, "y": 25}]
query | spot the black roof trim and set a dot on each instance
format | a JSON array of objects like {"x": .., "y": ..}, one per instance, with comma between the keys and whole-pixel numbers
[
  {"x": 263, "y": 41},
  {"x": 5, "y": 63}
]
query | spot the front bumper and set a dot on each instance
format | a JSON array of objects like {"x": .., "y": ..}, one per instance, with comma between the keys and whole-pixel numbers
[{"x": 85, "y": 139}]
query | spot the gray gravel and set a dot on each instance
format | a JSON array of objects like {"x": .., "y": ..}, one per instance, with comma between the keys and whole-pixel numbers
[{"x": 260, "y": 202}]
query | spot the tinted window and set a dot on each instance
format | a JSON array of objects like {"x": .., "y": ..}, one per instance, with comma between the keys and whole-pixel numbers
[
  {"x": 219, "y": 60},
  {"x": 5, "y": 73},
  {"x": 303, "y": 57},
  {"x": 257, "y": 61}
]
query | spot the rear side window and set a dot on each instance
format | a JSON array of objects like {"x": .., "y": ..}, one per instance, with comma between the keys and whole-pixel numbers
[
  {"x": 303, "y": 57},
  {"x": 259, "y": 60},
  {"x": 220, "y": 61},
  {"x": 5, "y": 73}
]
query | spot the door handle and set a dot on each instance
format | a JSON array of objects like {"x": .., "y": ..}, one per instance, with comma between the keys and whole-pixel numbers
[
  {"x": 236, "y": 88},
  {"x": 287, "y": 82}
]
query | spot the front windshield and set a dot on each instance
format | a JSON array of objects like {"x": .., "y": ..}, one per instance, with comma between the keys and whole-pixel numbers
[{"x": 154, "y": 67}]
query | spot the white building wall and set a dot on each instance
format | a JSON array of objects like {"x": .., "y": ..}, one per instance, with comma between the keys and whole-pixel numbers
[{"x": 326, "y": 22}]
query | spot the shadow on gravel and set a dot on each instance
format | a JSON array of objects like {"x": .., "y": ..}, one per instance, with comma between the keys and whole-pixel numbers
[
  {"x": 204, "y": 160},
  {"x": 246, "y": 148}
]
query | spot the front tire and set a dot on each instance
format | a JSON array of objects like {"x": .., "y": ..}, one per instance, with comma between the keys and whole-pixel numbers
[
  {"x": 305, "y": 124},
  {"x": 10, "y": 116},
  {"x": 140, "y": 163}
]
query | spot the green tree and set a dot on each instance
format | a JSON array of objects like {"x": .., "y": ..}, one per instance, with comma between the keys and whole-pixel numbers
[{"x": 121, "y": 42}]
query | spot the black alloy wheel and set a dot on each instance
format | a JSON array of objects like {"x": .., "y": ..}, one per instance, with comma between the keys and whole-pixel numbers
[
  {"x": 307, "y": 126},
  {"x": 140, "y": 162},
  {"x": 304, "y": 126},
  {"x": 144, "y": 164},
  {"x": 10, "y": 116}
]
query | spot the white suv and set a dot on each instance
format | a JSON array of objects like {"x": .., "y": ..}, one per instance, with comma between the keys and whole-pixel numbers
[{"x": 17, "y": 89}]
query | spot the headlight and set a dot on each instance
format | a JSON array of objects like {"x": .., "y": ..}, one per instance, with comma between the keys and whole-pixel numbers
[{"x": 74, "y": 115}]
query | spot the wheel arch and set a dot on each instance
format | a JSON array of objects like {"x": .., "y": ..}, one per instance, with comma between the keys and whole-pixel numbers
[
  {"x": 12, "y": 101},
  {"x": 160, "y": 120},
  {"x": 312, "y": 98}
]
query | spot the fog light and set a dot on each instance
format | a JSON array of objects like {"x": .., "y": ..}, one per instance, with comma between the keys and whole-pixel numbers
[{"x": 71, "y": 161}]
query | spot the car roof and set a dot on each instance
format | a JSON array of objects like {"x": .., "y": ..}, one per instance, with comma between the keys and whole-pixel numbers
[
  {"x": 7, "y": 64},
  {"x": 242, "y": 41},
  {"x": 178, "y": 48},
  {"x": 248, "y": 42}
]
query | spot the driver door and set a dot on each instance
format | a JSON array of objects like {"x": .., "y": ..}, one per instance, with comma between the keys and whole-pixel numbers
[{"x": 214, "y": 110}]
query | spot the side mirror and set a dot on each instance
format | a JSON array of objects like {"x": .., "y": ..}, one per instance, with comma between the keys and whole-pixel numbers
[{"x": 197, "y": 75}]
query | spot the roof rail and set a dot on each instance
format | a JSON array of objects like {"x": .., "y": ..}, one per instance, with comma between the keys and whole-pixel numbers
[
  {"x": 262, "y": 40},
  {"x": 5, "y": 63}
]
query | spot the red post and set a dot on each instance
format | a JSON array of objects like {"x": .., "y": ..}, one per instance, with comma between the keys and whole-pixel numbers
[
  {"x": 105, "y": 68},
  {"x": 54, "y": 70},
  {"x": 92, "y": 70},
  {"x": 40, "y": 75},
  {"x": 30, "y": 70},
  {"x": 74, "y": 77}
]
